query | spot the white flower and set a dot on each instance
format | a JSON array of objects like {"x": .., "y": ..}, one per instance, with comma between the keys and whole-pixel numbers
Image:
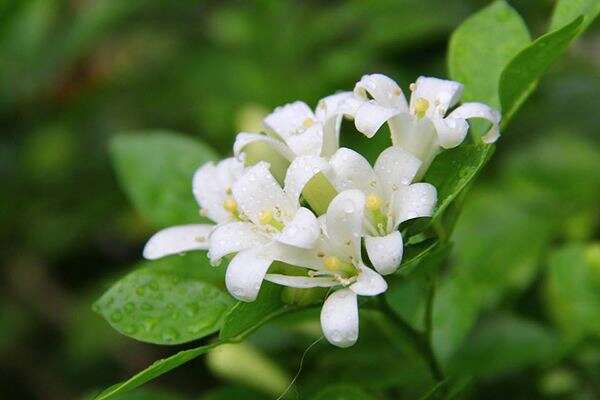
[
  {"x": 336, "y": 261},
  {"x": 294, "y": 130},
  {"x": 421, "y": 127},
  {"x": 272, "y": 226},
  {"x": 212, "y": 189},
  {"x": 390, "y": 199}
]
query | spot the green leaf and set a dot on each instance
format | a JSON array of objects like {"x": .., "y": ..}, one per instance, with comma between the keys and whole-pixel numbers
[
  {"x": 155, "y": 370},
  {"x": 240, "y": 322},
  {"x": 163, "y": 303},
  {"x": 452, "y": 170},
  {"x": 155, "y": 169},
  {"x": 342, "y": 392},
  {"x": 566, "y": 11},
  {"x": 505, "y": 344},
  {"x": 244, "y": 316},
  {"x": 573, "y": 290},
  {"x": 521, "y": 75},
  {"x": 481, "y": 48}
]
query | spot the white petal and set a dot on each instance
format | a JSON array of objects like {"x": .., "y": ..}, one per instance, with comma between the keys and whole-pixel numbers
[
  {"x": 417, "y": 136},
  {"x": 370, "y": 116},
  {"x": 330, "y": 111},
  {"x": 478, "y": 110},
  {"x": 246, "y": 272},
  {"x": 177, "y": 239},
  {"x": 306, "y": 258},
  {"x": 257, "y": 191},
  {"x": 383, "y": 90},
  {"x": 368, "y": 283},
  {"x": 339, "y": 318},
  {"x": 243, "y": 139},
  {"x": 414, "y": 201},
  {"x": 303, "y": 231},
  {"x": 350, "y": 170},
  {"x": 301, "y": 281},
  {"x": 385, "y": 252},
  {"x": 307, "y": 141},
  {"x": 451, "y": 131},
  {"x": 210, "y": 192},
  {"x": 395, "y": 167},
  {"x": 300, "y": 172},
  {"x": 344, "y": 221},
  {"x": 441, "y": 94},
  {"x": 234, "y": 237},
  {"x": 285, "y": 121}
]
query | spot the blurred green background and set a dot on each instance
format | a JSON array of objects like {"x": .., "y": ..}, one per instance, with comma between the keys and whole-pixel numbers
[{"x": 74, "y": 73}]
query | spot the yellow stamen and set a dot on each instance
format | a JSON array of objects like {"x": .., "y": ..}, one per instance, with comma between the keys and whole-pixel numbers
[
  {"x": 308, "y": 122},
  {"x": 230, "y": 205},
  {"x": 334, "y": 264},
  {"x": 266, "y": 218},
  {"x": 373, "y": 202},
  {"x": 421, "y": 106}
]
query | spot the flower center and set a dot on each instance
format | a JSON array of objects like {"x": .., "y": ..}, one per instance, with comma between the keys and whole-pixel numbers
[
  {"x": 266, "y": 218},
  {"x": 421, "y": 106},
  {"x": 307, "y": 123},
  {"x": 231, "y": 206},
  {"x": 334, "y": 264},
  {"x": 373, "y": 204}
]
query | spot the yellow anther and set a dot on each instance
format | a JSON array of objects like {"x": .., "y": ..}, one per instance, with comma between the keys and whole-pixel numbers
[
  {"x": 373, "y": 202},
  {"x": 308, "y": 122},
  {"x": 265, "y": 217},
  {"x": 332, "y": 263},
  {"x": 230, "y": 205},
  {"x": 421, "y": 106},
  {"x": 412, "y": 87}
]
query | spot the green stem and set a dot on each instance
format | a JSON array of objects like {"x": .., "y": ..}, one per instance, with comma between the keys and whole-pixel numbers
[{"x": 420, "y": 341}]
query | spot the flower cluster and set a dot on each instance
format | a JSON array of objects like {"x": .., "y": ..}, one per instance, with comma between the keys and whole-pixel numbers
[{"x": 259, "y": 220}]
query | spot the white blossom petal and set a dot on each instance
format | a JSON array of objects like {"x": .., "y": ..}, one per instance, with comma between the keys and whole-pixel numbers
[
  {"x": 383, "y": 90},
  {"x": 414, "y": 201},
  {"x": 368, "y": 283},
  {"x": 177, "y": 239},
  {"x": 440, "y": 93},
  {"x": 243, "y": 139},
  {"x": 303, "y": 231},
  {"x": 385, "y": 252},
  {"x": 210, "y": 192},
  {"x": 344, "y": 221},
  {"x": 395, "y": 167},
  {"x": 417, "y": 136},
  {"x": 293, "y": 255},
  {"x": 257, "y": 191},
  {"x": 286, "y": 120},
  {"x": 300, "y": 172},
  {"x": 308, "y": 141},
  {"x": 339, "y": 318},
  {"x": 301, "y": 281},
  {"x": 246, "y": 272},
  {"x": 330, "y": 111},
  {"x": 370, "y": 116},
  {"x": 234, "y": 237},
  {"x": 350, "y": 170},
  {"x": 451, "y": 131},
  {"x": 479, "y": 110}
]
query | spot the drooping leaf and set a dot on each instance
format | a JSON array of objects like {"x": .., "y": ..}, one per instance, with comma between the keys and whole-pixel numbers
[
  {"x": 522, "y": 74},
  {"x": 155, "y": 169},
  {"x": 342, "y": 392},
  {"x": 482, "y": 46},
  {"x": 573, "y": 290},
  {"x": 504, "y": 344},
  {"x": 164, "y": 303},
  {"x": 566, "y": 11},
  {"x": 244, "y": 316}
]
